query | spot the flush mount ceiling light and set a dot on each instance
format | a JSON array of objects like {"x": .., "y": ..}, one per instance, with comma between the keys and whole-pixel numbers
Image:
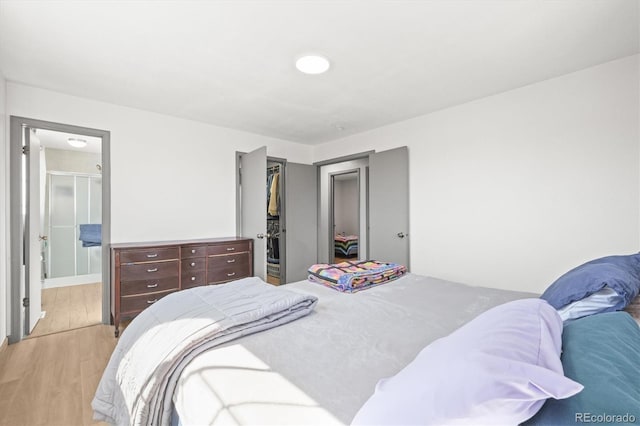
[
  {"x": 312, "y": 64},
  {"x": 77, "y": 143}
]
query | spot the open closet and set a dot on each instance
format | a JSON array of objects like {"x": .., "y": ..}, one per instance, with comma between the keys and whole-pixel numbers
[
  {"x": 277, "y": 217},
  {"x": 275, "y": 179}
]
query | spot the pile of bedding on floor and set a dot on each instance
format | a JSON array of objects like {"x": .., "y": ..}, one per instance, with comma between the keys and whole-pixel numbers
[{"x": 354, "y": 276}]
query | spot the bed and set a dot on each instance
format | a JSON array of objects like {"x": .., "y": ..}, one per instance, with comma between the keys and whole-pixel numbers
[
  {"x": 320, "y": 369},
  {"x": 326, "y": 366}
]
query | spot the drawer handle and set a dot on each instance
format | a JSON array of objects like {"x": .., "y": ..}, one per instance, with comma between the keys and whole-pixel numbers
[
  {"x": 193, "y": 251},
  {"x": 231, "y": 261},
  {"x": 151, "y": 302},
  {"x": 150, "y": 256},
  {"x": 152, "y": 270},
  {"x": 193, "y": 278},
  {"x": 231, "y": 274},
  {"x": 231, "y": 248},
  {"x": 193, "y": 263},
  {"x": 152, "y": 285}
]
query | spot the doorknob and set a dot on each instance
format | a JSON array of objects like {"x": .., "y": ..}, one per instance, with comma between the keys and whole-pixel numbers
[
  {"x": 402, "y": 234},
  {"x": 42, "y": 237},
  {"x": 261, "y": 236}
]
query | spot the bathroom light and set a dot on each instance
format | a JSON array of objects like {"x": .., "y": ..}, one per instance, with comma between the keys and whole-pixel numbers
[
  {"x": 77, "y": 143},
  {"x": 313, "y": 64}
]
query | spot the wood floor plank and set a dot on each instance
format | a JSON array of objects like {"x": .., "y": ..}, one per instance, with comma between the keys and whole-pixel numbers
[
  {"x": 69, "y": 308},
  {"x": 57, "y": 377},
  {"x": 51, "y": 377}
]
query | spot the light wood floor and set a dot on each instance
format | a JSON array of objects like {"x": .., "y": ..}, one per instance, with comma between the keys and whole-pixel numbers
[
  {"x": 69, "y": 308},
  {"x": 51, "y": 380},
  {"x": 339, "y": 259},
  {"x": 273, "y": 280}
]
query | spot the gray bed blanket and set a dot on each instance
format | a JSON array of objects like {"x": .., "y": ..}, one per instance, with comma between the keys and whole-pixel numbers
[{"x": 138, "y": 383}]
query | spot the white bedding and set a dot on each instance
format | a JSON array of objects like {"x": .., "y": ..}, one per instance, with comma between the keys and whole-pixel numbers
[
  {"x": 321, "y": 369},
  {"x": 137, "y": 385}
]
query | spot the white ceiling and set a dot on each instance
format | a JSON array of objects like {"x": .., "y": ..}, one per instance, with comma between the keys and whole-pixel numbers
[{"x": 231, "y": 63}]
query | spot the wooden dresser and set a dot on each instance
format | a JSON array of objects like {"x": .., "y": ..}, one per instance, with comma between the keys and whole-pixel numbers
[{"x": 143, "y": 273}]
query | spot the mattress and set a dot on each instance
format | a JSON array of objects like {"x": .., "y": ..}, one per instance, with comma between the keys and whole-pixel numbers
[{"x": 320, "y": 369}]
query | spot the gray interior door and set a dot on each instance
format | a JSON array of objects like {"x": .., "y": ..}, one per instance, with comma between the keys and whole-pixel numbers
[
  {"x": 389, "y": 206},
  {"x": 33, "y": 276},
  {"x": 301, "y": 232},
  {"x": 253, "y": 207}
]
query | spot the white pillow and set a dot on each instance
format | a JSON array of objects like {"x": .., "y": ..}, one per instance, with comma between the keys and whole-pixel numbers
[
  {"x": 591, "y": 304},
  {"x": 497, "y": 369}
]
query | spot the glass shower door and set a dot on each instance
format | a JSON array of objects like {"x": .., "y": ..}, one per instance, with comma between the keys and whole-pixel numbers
[
  {"x": 62, "y": 231},
  {"x": 74, "y": 199}
]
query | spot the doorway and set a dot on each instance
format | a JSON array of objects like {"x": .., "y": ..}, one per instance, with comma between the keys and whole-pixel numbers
[
  {"x": 383, "y": 205},
  {"x": 60, "y": 219},
  {"x": 344, "y": 216},
  {"x": 262, "y": 220}
]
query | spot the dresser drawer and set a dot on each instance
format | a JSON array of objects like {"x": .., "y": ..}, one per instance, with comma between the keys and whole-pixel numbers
[
  {"x": 240, "y": 260},
  {"x": 194, "y": 264},
  {"x": 228, "y": 248},
  {"x": 135, "y": 304},
  {"x": 128, "y": 288},
  {"x": 227, "y": 268},
  {"x": 226, "y": 274},
  {"x": 147, "y": 271},
  {"x": 192, "y": 279},
  {"x": 148, "y": 254},
  {"x": 193, "y": 251}
]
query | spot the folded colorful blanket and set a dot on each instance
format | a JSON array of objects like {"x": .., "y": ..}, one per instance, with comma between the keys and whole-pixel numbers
[{"x": 350, "y": 277}]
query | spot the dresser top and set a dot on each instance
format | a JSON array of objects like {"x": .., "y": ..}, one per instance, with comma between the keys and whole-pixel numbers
[{"x": 178, "y": 242}]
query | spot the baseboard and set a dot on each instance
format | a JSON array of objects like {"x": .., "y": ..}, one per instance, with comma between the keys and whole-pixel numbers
[
  {"x": 70, "y": 281},
  {"x": 4, "y": 344}
]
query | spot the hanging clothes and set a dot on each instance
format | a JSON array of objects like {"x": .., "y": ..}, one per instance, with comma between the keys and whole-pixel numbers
[{"x": 274, "y": 204}]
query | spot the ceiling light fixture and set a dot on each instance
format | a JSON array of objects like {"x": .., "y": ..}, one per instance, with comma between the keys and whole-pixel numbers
[
  {"x": 77, "y": 143},
  {"x": 312, "y": 64}
]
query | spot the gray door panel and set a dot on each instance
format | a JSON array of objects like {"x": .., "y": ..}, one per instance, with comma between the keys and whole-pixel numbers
[
  {"x": 302, "y": 225},
  {"x": 253, "y": 187},
  {"x": 389, "y": 206}
]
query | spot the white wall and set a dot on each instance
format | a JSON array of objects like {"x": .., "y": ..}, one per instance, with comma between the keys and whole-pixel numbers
[
  {"x": 61, "y": 160},
  {"x": 346, "y": 206},
  {"x": 4, "y": 197},
  {"x": 170, "y": 178},
  {"x": 512, "y": 190}
]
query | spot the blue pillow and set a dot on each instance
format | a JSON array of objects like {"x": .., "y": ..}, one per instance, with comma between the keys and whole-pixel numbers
[
  {"x": 620, "y": 273},
  {"x": 602, "y": 353}
]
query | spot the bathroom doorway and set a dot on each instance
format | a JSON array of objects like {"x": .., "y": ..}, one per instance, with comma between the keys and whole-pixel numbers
[
  {"x": 345, "y": 215},
  {"x": 71, "y": 225},
  {"x": 60, "y": 221}
]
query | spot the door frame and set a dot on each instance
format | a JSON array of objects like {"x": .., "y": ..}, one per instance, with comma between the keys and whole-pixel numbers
[
  {"x": 283, "y": 215},
  {"x": 321, "y": 207},
  {"x": 332, "y": 208},
  {"x": 18, "y": 250}
]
